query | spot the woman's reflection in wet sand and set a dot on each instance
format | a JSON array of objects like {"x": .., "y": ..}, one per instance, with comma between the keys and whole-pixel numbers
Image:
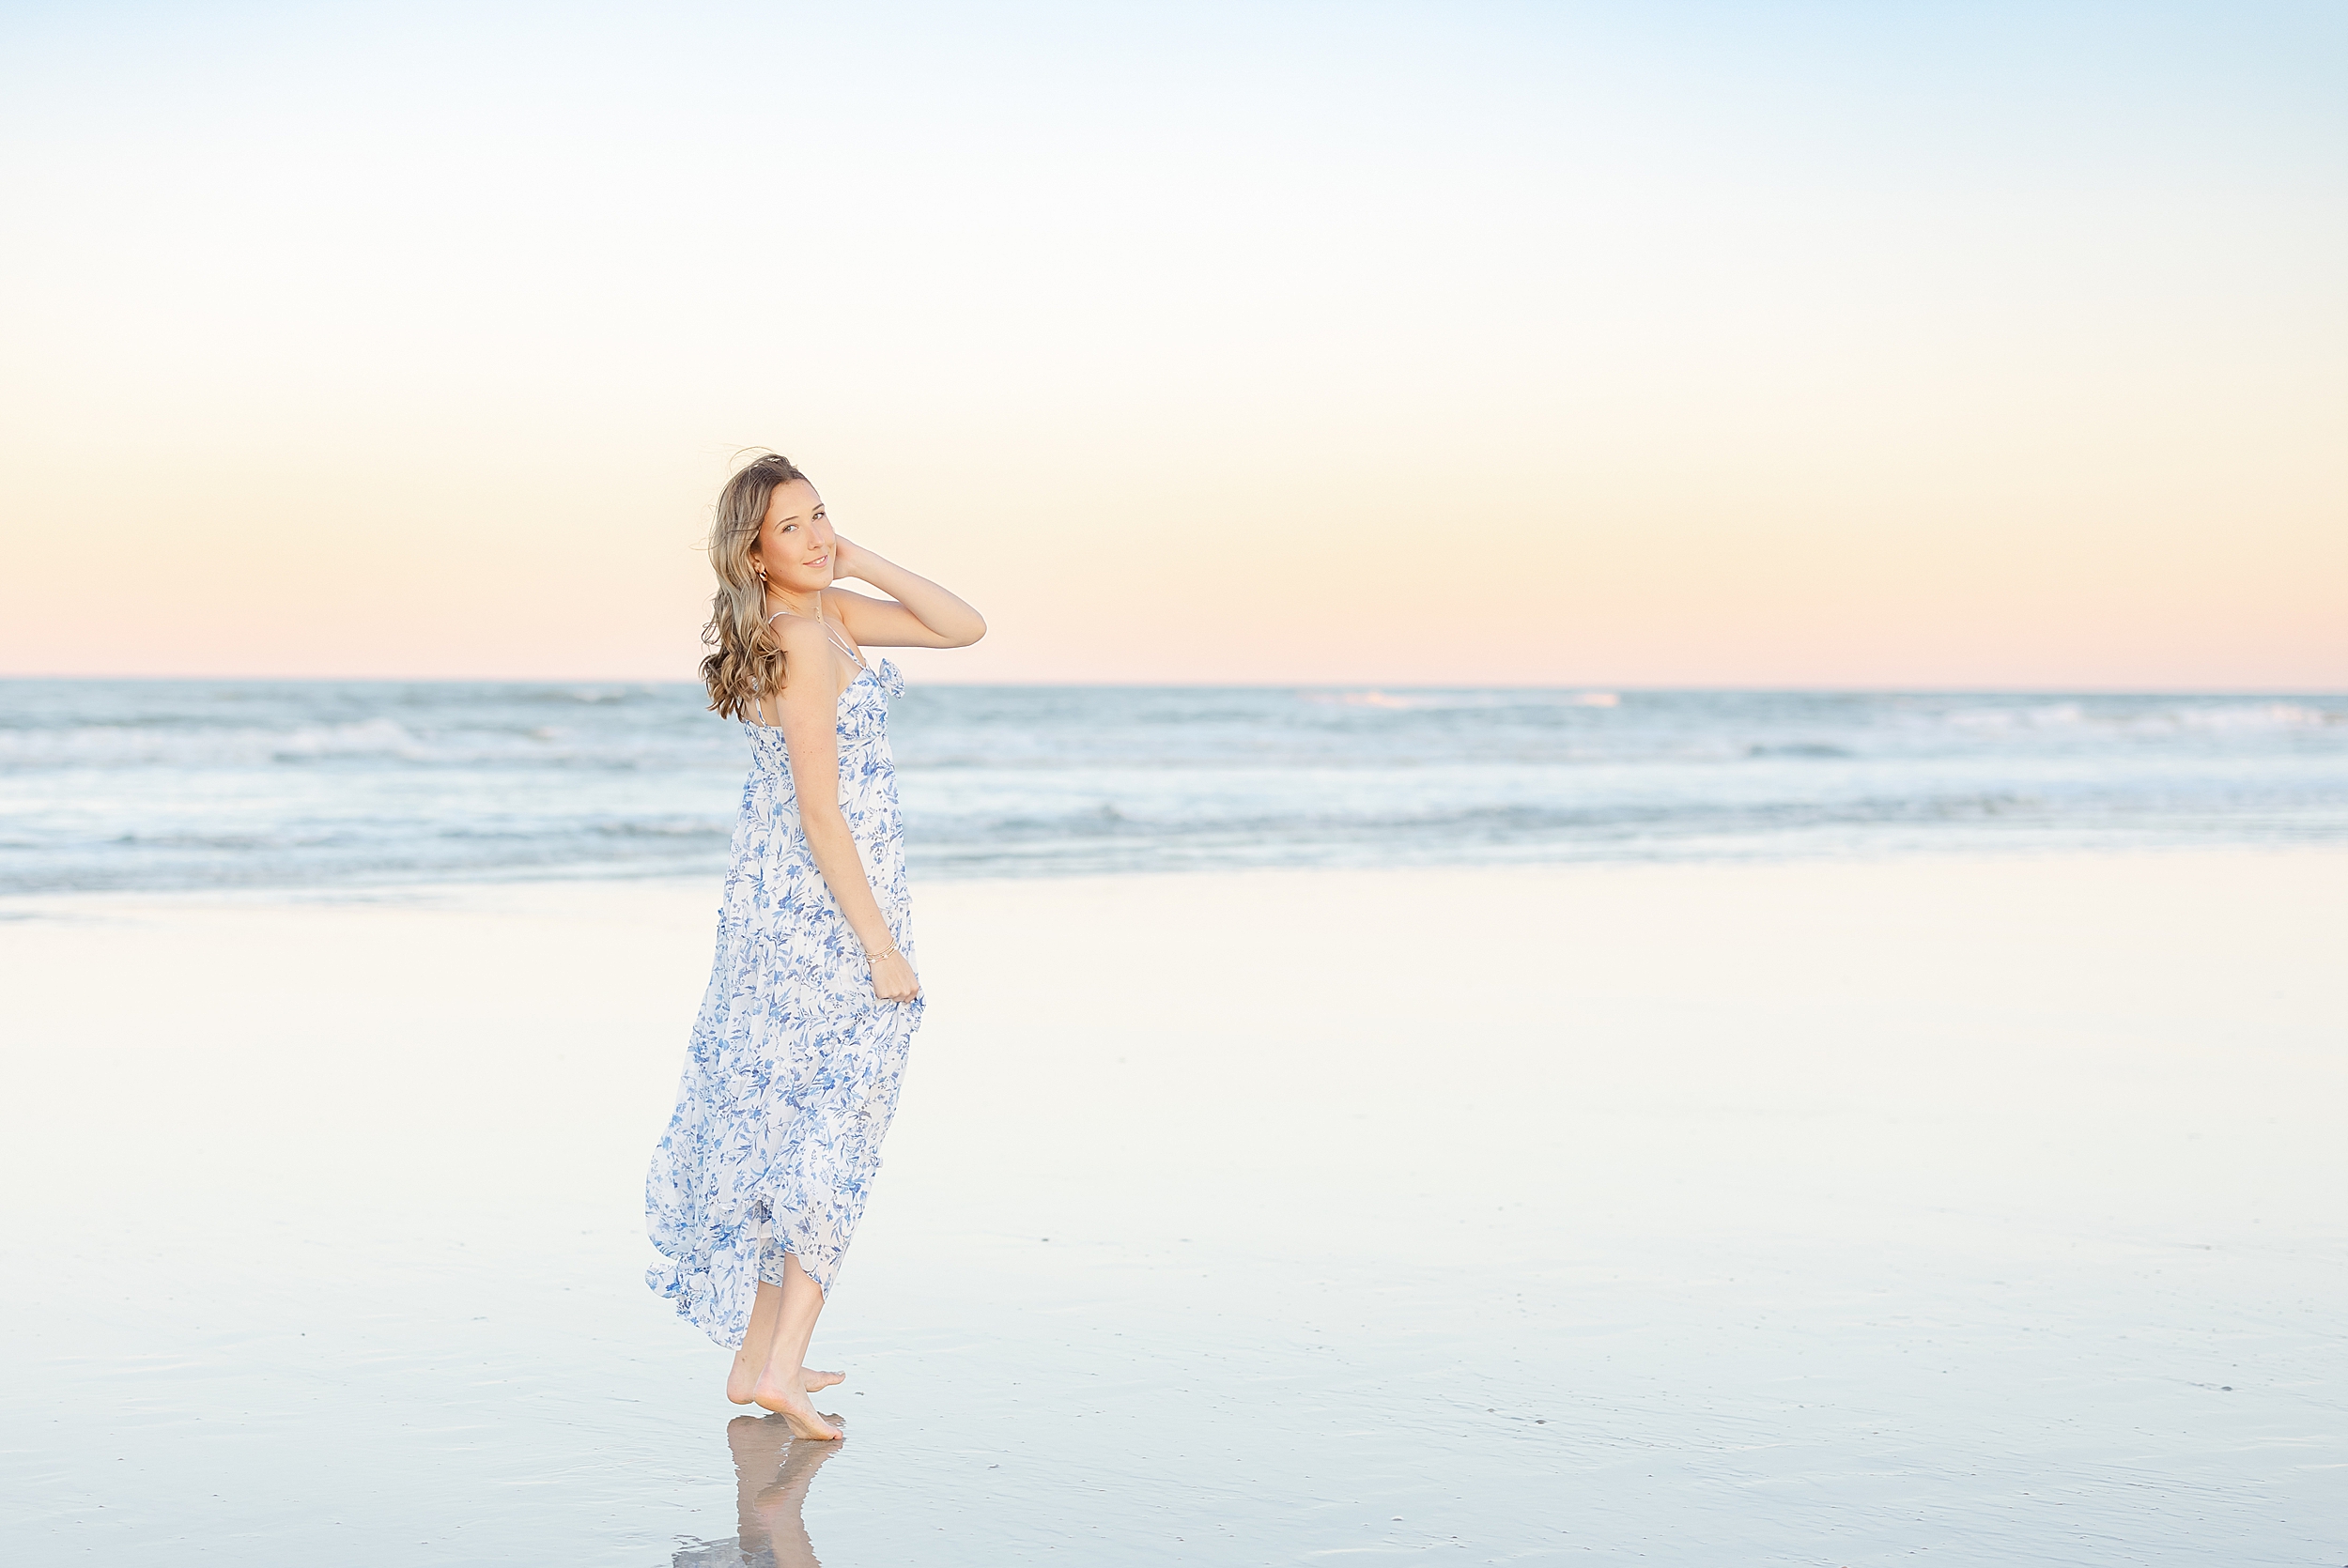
[{"x": 771, "y": 1470}]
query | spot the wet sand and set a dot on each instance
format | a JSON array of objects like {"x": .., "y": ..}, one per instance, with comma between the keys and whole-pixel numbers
[{"x": 1977, "y": 1210}]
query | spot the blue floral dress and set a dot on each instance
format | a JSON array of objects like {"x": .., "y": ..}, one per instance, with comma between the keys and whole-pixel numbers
[{"x": 792, "y": 1074}]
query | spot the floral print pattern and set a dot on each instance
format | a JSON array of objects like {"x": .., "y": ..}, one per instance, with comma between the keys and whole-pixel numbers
[{"x": 792, "y": 1074}]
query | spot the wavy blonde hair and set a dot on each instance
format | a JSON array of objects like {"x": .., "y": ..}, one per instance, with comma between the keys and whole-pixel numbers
[{"x": 744, "y": 658}]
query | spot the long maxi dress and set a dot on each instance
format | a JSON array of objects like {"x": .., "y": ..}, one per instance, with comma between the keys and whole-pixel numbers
[{"x": 792, "y": 1074}]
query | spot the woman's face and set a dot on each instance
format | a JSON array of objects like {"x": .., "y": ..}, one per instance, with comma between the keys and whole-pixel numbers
[{"x": 795, "y": 539}]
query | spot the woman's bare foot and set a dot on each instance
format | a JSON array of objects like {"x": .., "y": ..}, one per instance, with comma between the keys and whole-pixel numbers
[
  {"x": 758, "y": 1343},
  {"x": 742, "y": 1381},
  {"x": 792, "y": 1405}
]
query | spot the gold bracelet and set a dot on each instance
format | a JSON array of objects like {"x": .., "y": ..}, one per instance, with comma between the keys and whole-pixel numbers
[{"x": 884, "y": 953}]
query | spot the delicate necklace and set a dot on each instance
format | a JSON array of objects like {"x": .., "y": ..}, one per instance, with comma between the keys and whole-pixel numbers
[{"x": 778, "y": 596}]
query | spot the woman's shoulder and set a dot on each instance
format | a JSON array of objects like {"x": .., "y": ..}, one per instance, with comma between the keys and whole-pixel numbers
[{"x": 796, "y": 631}]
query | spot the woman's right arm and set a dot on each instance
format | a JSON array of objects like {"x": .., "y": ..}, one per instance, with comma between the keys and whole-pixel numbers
[{"x": 808, "y": 710}]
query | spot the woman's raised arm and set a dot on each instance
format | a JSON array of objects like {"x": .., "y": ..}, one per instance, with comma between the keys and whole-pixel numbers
[{"x": 923, "y": 615}]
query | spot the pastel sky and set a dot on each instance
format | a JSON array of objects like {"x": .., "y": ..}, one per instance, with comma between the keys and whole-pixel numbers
[{"x": 1643, "y": 344}]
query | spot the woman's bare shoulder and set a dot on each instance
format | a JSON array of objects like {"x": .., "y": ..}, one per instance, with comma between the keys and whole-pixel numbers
[{"x": 796, "y": 631}]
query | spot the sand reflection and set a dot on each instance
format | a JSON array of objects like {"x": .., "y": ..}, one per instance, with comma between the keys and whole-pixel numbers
[{"x": 771, "y": 1472}]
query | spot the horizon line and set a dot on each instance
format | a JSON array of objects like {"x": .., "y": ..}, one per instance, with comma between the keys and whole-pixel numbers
[{"x": 1583, "y": 687}]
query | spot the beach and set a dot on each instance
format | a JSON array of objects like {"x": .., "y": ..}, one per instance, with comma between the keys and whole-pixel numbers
[
  {"x": 1618, "y": 738},
  {"x": 1978, "y": 1208}
]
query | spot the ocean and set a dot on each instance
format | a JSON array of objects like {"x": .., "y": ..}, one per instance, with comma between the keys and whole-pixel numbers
[{"x": 169, "y": 785}]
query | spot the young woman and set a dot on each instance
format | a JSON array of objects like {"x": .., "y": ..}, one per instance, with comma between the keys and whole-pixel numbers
[{"x": 792, "y": 1074}]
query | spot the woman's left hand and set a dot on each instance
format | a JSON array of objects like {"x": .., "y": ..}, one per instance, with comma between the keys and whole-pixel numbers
[{"x": 894, "y": 979}]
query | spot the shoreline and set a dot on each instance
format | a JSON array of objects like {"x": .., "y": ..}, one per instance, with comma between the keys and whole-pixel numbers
[{"x": 456, "y": 892}]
